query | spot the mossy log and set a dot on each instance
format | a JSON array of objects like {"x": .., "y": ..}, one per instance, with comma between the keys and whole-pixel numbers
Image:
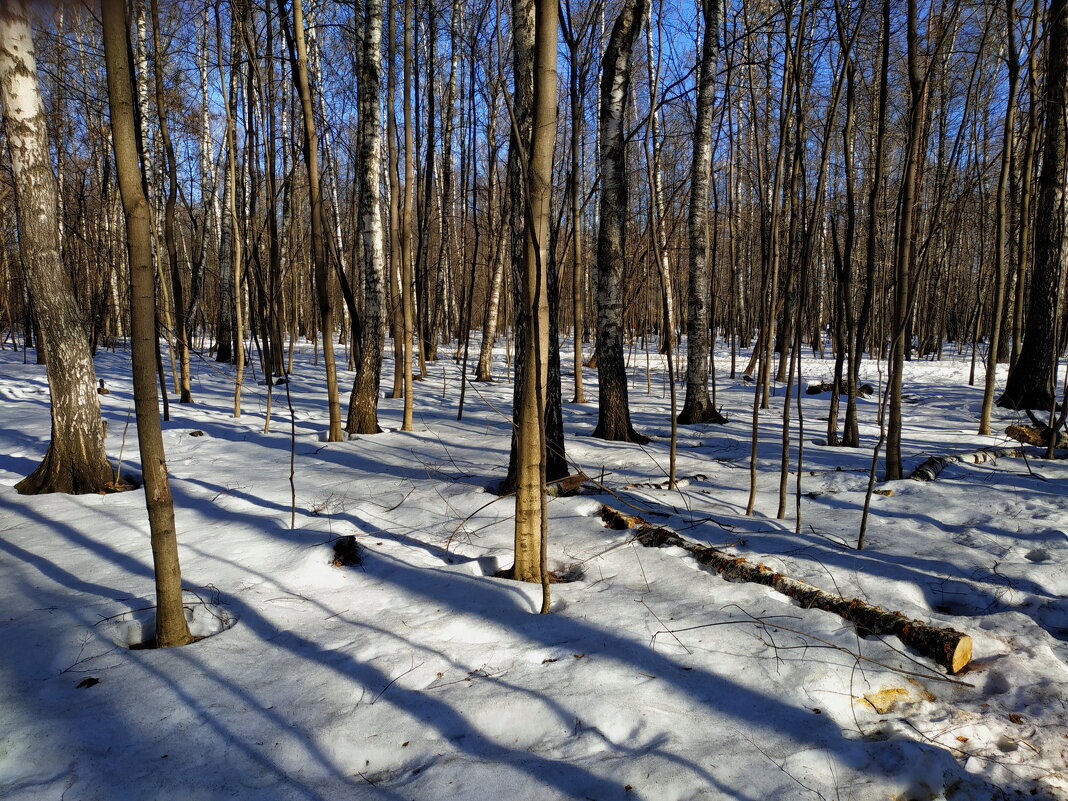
[
  {"x": 1036, "y": 435},
  {"x": 929, "y": 470},
  {"x": 947, "y": 647}
]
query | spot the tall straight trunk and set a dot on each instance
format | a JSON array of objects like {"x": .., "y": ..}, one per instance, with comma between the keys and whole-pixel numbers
[
  {"x": 299, "y": 58},
  {"x": 393, "y": 171},
  {"x": 577, "y": 86},
  {"x": 697, "y": 407},
  {"x": 75, "y": 461},
  {"x": 1032, "y": 381},
  {"x": 845, "y": 378},
  {"x": 530, "y": 512},
  {"x": 363, "y": 406},
  {"x": 613, "y": 421},
  {"x": 863, "y": 325},
  {"x": 493, "y": 301},
  {"x": 1024, "y": 192},
  {"x": 904, "y": 247},
  {"x": 407, "y": 306},
  {"x": 171, "y": 628},
  {"x": 170, "y": 241},
  {"x": 524, "y": 35},
  {"x": 1001, "y": 222}
]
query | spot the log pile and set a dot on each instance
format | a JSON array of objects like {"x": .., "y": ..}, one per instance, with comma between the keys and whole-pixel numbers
[{"x": 947, "y": 647}]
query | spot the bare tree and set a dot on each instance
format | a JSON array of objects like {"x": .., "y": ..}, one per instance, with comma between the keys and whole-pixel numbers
[
  {"x": 75, "y": 461},
  {"x": 1031, "y": 383},
  {"x": 697, "y": 408},
  {"x": 531, "y": 522},
  {"x": 299, "y": 57},
  {"x": 171, "y": 627},
  {"x": 363, "y": 406},
  {"x": 613, "y": 422}
]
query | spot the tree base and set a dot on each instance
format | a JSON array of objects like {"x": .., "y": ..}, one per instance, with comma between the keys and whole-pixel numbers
[
  {"x": 627, "y": 434},
  {"x": 690, "y": 417},
  {"x": 55, "y": 474}
]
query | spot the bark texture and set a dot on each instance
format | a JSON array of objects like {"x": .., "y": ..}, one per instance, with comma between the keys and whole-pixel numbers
[
  {"x": 930, "y": 469},
  {"x": 171, "y": 628},
  {"x": 363, "y": 405},
  {"x": 613, "y": 406},
  {"x": 947, "y": 647},
  {"x": 1032, "y": 380},
  {"x": 698, "y": 408},
  {"x": 530, "y": 418},
  {"x": 75, "y": 461}
]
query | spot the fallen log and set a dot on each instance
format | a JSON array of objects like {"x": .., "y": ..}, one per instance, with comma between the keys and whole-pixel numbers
[
  {"x": 818, "y": 388},
  {"x": 929, "y": 470},
  {"x": 947, "y": 647},
  {"x": 1036, "y": 435}
]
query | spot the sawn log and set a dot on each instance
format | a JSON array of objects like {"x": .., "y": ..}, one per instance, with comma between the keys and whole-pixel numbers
[
  {"x": 929, "y": 470},
  {"x": 947, "y": 647}
]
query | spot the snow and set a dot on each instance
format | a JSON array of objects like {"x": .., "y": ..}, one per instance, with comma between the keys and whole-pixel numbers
[{"x": 418, "y": 675}]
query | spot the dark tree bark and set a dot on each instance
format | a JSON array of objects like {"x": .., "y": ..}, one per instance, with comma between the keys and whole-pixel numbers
[
  {"x": 75, "y": 461},
  {"x": 1032, "y": 381},
  {"x": 613, "y": 421}
]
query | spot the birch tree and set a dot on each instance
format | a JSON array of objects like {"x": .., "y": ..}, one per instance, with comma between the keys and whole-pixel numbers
[
  {"x": 613, "y": 421},
  {"x": 75, "y": 461},
  {"x": 363, "y": 406},
  {"x": 697, "y": 408}
]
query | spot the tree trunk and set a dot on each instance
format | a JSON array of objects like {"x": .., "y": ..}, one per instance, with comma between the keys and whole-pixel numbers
[
  {"x": 1031, "y": 383},
  {"x": 613, "y": 421},
  {"x": 530, "y": 513},
  {"x": 75, "y": 461},
  {"x": 947, "y": 647},
  {"x": 697, "y": 407},
  {"x": 904, "y": 247},
  {"x": 363, "y": 406},
  {"x": 171, "y": 628},
  {"x": 299, "y": 58}
]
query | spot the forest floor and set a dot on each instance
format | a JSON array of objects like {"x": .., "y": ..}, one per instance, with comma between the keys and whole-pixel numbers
[{"x": 418, "y": 675}]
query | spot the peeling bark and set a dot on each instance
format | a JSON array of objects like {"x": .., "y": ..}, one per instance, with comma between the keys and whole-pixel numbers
[{"x": 75, "y": 461}]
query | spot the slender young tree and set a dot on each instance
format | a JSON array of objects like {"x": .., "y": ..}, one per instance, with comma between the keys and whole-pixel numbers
[
  {"x": 904, "y": 247},
  {"x": 171, "y": 627},
  {"x": 75, "y": 461},
  {"x": 298, "y": 52},
  {"x": 530, "y": 513}
]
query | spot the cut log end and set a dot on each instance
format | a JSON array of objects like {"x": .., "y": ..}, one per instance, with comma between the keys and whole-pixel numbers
[{"x": 961, "y": 655}]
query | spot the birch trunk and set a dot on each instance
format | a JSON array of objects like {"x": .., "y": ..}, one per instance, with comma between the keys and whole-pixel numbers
[
  {"x": 697, "y": 407},
  {"x": 613, "y": 422},
  {"x": 363, "y": 406},
  {"x": 75, "y": 461}
]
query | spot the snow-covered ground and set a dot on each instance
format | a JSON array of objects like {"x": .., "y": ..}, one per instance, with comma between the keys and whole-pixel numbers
[{"x": 418, "y": 675}]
